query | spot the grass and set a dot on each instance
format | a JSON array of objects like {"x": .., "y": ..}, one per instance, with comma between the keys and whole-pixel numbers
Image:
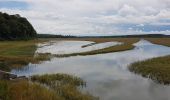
[
  {"x": 64, "y": 85},
  {"x": 58, "y": 79},
  {"x": 158, "y": 69},
  {"x": 45, "y": 87},
  {"x": 160, "y": 41},
  {"x": 19, "y": 53},
  {"x": 127, "y": 45},
  {"x": 24, "y": 90}
]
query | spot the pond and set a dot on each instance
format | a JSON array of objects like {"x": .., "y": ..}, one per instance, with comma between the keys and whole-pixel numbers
[{"x": 107, "y": 75}]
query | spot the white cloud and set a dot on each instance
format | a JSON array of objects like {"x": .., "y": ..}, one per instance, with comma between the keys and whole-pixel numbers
[{"x": 79, "y": 17}]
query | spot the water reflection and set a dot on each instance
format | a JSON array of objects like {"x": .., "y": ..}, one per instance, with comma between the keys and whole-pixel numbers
[
  {"x": 107, "y": 75},
  {"x": 67, "y": 47}
]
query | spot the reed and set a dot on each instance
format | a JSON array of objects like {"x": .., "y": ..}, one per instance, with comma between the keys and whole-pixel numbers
[{"x": 158, "y": 69}]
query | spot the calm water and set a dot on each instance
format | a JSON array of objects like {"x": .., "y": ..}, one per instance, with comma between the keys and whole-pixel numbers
[
  {"x": 67, "y": 47},
  {"x": 107, "y": 75}
]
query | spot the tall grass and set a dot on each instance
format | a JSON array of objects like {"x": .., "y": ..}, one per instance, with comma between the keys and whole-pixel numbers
[
  {"x": 45, "y": 87},
  {"x": 19, "y": 53},
  {"x": 158, "y": 69},
  {"x": 4, "y": 90},
  {"x": 64, "y": 85}
]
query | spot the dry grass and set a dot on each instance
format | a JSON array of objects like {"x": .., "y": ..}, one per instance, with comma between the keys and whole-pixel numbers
[
  {"x": 160, "y": 41},
  {"x": 45, "y": 87},
  {"x": 64, "y": 85},
  {"x": 24, "y": 90},
  {"x": 101, "y": 40},
  {"x": 157, "y": 69}
]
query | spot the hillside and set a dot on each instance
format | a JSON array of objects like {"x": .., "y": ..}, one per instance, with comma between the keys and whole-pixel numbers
[{"x": 15, "y": 27}]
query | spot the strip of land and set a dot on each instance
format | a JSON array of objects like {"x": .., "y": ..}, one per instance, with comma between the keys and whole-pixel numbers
[
  {"x": 19, "y": 53},
  {"x": 127, "y": 45},
  {"x": 158, "y": 69},
  {"x": 160, "y": 41}
]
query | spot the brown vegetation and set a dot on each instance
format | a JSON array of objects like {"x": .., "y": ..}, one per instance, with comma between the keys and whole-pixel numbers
[
  {"x": 157, "y": 69},
  {"x": 160, "y": 41}
]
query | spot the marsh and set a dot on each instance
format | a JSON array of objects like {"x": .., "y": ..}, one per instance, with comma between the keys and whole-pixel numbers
[{"x": 106, "y": 75}]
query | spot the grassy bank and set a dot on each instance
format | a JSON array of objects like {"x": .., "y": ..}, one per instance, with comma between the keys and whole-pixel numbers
[
  {"x": 160, "y": 41},
  {"x": 127, "y": 45},
  {"x": 45, "y": 87},
  {"x": 158, "y": 69},
  {"x": 19, "y": 53}
]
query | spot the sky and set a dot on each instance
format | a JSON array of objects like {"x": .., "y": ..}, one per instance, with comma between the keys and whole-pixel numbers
[{"x": 93, "y": 17}]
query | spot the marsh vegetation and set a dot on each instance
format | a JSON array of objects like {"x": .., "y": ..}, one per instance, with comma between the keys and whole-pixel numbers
[
  {"x": 45, "y": 87},
  {"x": 158, "y": 69},
  {"x": 15, "y": 54}
]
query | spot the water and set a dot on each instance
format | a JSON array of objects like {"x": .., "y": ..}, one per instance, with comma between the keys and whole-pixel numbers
[
  {"x": 107, "y": 75},
  {"x": 67, "y": 47}
]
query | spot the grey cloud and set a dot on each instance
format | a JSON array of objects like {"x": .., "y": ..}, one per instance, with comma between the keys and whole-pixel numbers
[{"x": 80, "y": 17}]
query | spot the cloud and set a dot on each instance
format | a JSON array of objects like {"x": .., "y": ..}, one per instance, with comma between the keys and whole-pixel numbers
[{"x": 90, "y": 17}]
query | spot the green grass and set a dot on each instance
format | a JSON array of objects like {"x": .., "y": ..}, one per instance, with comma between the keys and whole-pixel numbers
[
  {"x": 158, "y": 69},
  {"x": 4, "y": 90},
  {"x": 19, "y": 53}
]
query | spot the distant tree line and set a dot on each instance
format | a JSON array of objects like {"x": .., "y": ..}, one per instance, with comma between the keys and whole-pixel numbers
[
  {"x": 15, "y": 27},
  {"x": 130, "y": 36},
  {"x": 54, "y": 36},
  {"x": 119, "y": 36}
]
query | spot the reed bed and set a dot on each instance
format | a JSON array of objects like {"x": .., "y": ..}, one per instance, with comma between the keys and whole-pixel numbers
[
  {"x": 157, "y": 69},
  {"x": 45, "y": 87}
]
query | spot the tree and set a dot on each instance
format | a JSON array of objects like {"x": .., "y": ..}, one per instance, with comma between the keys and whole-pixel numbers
[{"x": 14, "y": 27}]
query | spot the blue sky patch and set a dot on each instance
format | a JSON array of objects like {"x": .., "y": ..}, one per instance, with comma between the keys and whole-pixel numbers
[{"x": 14, "y": 5}]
